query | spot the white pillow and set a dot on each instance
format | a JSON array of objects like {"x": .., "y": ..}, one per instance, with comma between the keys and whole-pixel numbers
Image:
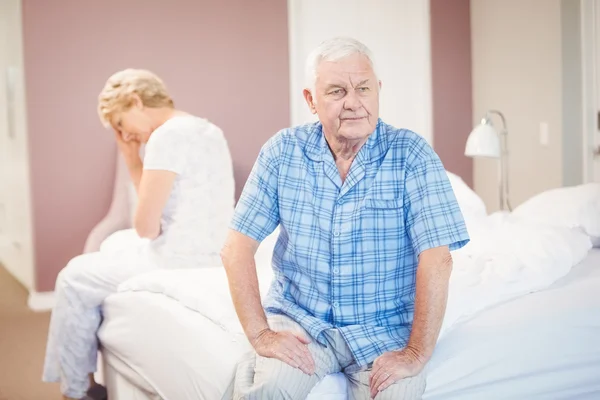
[
  {"x": 571, "y": 207},
  {"x": 471, "y": 205}
]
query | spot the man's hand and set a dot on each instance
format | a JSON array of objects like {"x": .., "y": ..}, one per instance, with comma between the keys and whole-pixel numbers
[
  {"x": 291, "y": 348},
  {"x": 433, "y": 274},
  {"x": 393, "y": 366}
]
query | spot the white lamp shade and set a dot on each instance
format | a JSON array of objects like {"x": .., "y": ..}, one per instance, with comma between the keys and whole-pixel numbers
[{"x": 483, "y": 142}]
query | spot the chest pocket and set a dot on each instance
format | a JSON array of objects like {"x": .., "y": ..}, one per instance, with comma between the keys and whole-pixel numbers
[
  {"x": 377, "y": 204},
  {"x": 382, "y": 228},
  {"x": 378, "y": 209},
  {"x": 383, "y": 214}
]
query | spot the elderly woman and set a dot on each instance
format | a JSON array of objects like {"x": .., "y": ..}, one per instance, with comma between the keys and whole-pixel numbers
[{"x": 185, "y": 201}]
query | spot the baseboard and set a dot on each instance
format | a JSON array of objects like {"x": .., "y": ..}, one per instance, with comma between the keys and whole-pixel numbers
[{"x": 41, "y": 301}]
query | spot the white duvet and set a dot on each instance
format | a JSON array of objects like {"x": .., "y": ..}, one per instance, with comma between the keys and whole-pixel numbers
[{"x": 506, "y": 258}]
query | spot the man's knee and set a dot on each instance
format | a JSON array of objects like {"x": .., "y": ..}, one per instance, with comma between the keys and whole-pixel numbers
[
  {"x": 409, "y": 389},
  {"x": 277, "y": 377},
  {"x": 271, "y": 389},
  {"x": 274, "y": 379}
]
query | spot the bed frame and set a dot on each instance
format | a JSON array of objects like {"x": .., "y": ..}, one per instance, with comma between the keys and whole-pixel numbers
[{"x": 122, "y": 383}]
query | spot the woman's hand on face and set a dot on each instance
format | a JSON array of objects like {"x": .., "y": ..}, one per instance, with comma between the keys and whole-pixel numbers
[{"x": 130, "y": 148}]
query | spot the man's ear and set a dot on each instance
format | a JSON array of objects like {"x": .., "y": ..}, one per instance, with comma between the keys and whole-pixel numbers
[{"x": 309, "y": 100}]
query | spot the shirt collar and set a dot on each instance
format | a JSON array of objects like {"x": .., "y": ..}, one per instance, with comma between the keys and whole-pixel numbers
[{"x": 373, "y": 150}]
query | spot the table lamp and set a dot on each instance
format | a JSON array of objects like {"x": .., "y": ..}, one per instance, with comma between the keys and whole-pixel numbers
[{"x": 485, "y": 141}]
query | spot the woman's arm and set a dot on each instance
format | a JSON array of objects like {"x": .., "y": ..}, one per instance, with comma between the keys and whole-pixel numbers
[
  {"x": 130, "y": 150},
  {"x": 135, "y": 168},
  {"x": 153, "y": 192},
  {"x": 165, "y": 158}
]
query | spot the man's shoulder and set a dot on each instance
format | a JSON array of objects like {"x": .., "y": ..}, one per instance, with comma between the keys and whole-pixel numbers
[
  {"x": 405, "y": 143},
  {"x": 286, "y": 140},
  {"x": 298, "y": 134}
]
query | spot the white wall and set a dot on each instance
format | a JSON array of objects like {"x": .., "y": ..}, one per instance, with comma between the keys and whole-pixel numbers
[
  {"x": 517, "y": 69},
  {"x": 16, "y": 247},
  {"x": 396, "y": 31}
]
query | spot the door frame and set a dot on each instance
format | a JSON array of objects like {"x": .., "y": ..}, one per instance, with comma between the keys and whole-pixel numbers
[
  {"x": 16, "y": 242},
  {"x": 590, "y": 80}
]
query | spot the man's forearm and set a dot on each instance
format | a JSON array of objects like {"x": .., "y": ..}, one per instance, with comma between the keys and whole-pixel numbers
[
  {"x": 430, "y": 304},
  {"x": 245, "y": 293}
]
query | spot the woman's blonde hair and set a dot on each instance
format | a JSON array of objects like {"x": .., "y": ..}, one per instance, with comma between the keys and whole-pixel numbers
[{"x": 117, "y": 94}]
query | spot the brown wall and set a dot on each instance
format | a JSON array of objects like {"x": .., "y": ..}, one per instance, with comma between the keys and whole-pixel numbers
[
  {"x": 451, "y": 83},
  {"x": 518, "y": 70},
  {"x": 226, "y": 60}
]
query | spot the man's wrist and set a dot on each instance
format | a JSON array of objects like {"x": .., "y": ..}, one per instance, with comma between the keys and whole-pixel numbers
[
  {"x": 417, "y": 353},
  {"x": 258, "y": 334}
]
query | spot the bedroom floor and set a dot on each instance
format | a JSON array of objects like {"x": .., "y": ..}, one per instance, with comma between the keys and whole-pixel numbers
[{"x": 22, "y": 345}]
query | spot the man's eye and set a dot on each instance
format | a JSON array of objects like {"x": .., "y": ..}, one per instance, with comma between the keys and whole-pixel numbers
[
  {"x": 363, "y": 89},
  {"x": 337, "y": 92}
]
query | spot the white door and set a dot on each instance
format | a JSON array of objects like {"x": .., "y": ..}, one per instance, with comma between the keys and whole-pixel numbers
[
  {"x": 399, "y": 40},
  {"x": 16, "y": 247}
]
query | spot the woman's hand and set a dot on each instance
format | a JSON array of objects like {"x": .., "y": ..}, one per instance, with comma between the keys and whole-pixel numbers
[
  {"x": 130, "y": 149},
  {"x": 131, "y": 153}
]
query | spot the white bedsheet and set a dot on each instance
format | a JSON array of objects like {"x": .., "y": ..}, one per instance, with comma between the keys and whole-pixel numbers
[
  {"x": 540, "y": 346},
  {"x": 507, "y": 257}
]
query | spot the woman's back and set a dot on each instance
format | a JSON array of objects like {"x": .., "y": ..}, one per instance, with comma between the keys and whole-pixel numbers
[{"x": 196, "y": 216}]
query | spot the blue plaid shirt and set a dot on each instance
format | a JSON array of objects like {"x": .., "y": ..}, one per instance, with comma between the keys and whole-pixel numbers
[{"x": 346, "y": 256}]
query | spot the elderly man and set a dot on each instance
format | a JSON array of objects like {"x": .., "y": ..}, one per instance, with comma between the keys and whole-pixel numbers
[{"x": 361, "y": 267}]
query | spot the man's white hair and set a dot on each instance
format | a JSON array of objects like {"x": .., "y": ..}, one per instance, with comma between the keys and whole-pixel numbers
[{"x": 334, "y": 49}]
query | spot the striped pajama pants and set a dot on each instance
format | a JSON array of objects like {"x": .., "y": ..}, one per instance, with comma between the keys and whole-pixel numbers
[
  {"x": 81, "y": 287},
  {"x": 260, "y": 378}
]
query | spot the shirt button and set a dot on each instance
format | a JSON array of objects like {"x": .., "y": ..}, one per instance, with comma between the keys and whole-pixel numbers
[
  {"x": 336, "y": 270},
  {"x": 340, "y": 201},
  {"x": 336, "y": 233},
  {"x": 336, "y": 304}
]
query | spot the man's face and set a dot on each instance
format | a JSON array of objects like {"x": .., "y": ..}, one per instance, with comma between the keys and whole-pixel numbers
[{"x": 346, "y": 97}]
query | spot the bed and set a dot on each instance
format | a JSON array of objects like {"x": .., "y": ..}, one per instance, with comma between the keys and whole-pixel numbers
[
  {"x": 540, "y": 346},
  {"x": 523, "y": 317}
]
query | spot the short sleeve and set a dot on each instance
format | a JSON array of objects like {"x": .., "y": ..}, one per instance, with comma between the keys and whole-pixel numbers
[
  {"x": 432, "y": 214},
  {"x": 167, "y": 149},
  {"x": 257, "y": 212}
]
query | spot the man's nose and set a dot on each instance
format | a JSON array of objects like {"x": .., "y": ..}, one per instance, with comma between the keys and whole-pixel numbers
[{"x": 352, "y": 102}]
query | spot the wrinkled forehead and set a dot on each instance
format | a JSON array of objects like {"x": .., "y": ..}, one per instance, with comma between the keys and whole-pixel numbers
[{"x": 350, "y": 70}]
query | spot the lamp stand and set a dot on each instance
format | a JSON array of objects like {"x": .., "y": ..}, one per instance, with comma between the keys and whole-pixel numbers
[{"x": 503, "y": 172}]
